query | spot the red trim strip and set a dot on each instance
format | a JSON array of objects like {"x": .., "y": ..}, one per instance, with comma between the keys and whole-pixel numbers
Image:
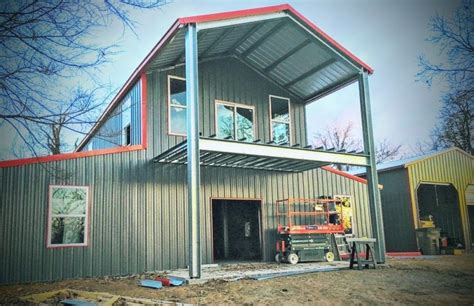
[
  {"x": 395, "y": 254},
  {"x": 65, "y": 156},
  {"x": 345, "y": 174},
  {"x": 234, "y": 14},
  {"x": 144, "y": 110}
]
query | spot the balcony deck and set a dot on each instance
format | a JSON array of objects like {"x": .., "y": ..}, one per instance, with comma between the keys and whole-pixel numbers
[{"x": 252, "y": 155}]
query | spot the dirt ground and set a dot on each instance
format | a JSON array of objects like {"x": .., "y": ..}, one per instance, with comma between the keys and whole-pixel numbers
[{"x": 447, "y": 280}]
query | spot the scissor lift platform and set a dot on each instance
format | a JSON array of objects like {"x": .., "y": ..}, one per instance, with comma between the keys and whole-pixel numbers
[{"x": 306, "y": 229}]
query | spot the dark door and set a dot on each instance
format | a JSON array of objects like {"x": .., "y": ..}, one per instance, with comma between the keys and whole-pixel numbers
[
  {"x": 236, "y": 230},
  {"x": 442, "y": 202}
]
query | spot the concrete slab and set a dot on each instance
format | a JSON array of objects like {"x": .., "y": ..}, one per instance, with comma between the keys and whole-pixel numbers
[{"x": 258, "y": 271}]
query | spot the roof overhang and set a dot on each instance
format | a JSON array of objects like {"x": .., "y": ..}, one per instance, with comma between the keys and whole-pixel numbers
[
  {"x": 237, "y": 154},
  {"x": 277, "y": 42}
]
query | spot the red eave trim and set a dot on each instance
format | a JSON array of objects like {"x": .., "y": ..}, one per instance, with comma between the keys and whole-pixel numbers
[
  {"x": 348, "y": 175},
  {"x": 65, "y": 156},
  {"x": 273, "y": 9},
  {"x": 234, "y": 14},
  {"x": 345, "y": 174}
]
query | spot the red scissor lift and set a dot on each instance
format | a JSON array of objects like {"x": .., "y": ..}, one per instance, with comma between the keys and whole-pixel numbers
[{"x": 306, "y": 228}]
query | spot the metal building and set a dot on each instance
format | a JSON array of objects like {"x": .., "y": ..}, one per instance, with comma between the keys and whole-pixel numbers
[
  {"x": 440, "y": 184},
  {"x": 212, "y": 124}
]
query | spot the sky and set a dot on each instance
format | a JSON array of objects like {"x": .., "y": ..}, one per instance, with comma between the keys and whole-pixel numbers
[{"x": 388, "y": 35}]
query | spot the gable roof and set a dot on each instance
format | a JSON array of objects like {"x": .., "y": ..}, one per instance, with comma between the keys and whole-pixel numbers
[{"x": 277, "y": 42}]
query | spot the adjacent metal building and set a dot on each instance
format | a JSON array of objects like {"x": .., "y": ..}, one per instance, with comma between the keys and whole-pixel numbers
[
  {"x": 440, "y": 184},
  {"x": 213, "y": 117}
]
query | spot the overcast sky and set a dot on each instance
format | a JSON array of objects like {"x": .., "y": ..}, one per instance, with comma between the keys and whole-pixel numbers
[{"x": 388, "y": 35}]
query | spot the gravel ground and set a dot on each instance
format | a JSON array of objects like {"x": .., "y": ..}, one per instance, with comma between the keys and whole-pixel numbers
[{"x": 443, "y": 280}]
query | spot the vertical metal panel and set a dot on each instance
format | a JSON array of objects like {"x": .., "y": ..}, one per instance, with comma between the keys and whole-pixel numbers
[
  {"x": 453, "y": 167},
  {"x": 397, "y": 211}
]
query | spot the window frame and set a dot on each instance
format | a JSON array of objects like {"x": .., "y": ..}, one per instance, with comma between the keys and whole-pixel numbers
[
  {"x": 178, "y": 106},
  {"x": 50, "y": 245},
  {"x": 235, "y": 105},
  {"x": 290, "y": 130}
]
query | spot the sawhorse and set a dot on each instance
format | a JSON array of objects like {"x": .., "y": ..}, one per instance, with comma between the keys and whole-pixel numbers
[{"x": 356, "y": 256}]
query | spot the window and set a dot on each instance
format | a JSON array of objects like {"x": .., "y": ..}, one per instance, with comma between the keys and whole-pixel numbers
[
  {"x": 126, "y": 122},
  {"x": 280, "y": 119},
  {"x": 234, "y": 121},
  {"x": 177, "y": 106},
  {"x": 126, "y": 138},
  {"x": 68, "y": 216}
]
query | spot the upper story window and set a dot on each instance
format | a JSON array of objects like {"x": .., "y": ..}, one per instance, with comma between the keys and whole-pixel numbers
[
  {"x": 177, "y": 106},
  {"x": 235, "y": 121},
  {"x": 280, "y": 120},
  {"x": 127, "y": 122},
  {"x": 68, "y": 216}
]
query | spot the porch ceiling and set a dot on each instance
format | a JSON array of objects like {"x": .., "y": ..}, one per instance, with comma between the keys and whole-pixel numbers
[
  {"x": 235, "y": 154},
  {"x": 278, "y": 46}
]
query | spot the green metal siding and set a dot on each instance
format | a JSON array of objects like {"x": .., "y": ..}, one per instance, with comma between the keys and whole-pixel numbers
[
  {"x": 397, "y": 211},
  {"x": 138, "y": 214},
  {"x": 226, "y": 80}
]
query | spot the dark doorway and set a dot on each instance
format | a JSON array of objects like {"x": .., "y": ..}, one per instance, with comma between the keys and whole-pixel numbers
[
  {"x": 442, "y": 202},
  {"x": 236, "y": 229}
]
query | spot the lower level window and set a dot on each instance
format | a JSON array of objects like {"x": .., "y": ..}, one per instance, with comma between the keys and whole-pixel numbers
[{"x": 68, "y": 216}]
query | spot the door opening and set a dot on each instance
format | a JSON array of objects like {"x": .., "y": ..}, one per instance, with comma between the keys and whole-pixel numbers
[
  {"x": 236, "y": 229},
  {"x": 441, "y": 202}
]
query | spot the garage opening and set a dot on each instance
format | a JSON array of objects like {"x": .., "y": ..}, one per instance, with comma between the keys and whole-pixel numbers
[
  {"x": 236, "y": 230},
  {"x": 442, "y": 203}
]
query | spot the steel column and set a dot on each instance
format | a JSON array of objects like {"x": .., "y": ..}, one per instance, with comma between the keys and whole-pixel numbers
[
  {"x": 372, "y": 178},
  {"x": 192, "y": 129}
]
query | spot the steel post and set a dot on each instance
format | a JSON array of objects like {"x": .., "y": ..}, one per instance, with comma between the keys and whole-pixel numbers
[
  {"x": 192, "y": 129},
  {"x": 372, "y": 178}
]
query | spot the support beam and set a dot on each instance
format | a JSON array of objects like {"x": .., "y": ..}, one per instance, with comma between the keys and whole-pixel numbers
[
  {"x": 215, "y": 42},
  {"x": 287, "y": 55},
  {"x": 372, "y": 178},
  {"x": 264, "y": 38},
  {"x": 192, "y": 129},
  {"x": 311, "y": 72}
]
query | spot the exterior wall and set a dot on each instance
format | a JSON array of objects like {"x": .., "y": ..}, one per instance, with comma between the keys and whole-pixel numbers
[
  {"x": 227, "y": 80},
  {"x": 138, "y": 213},
  {"x": 397, "y": 211},
  {"x": 109, "y": 135},
  {"x": 454, "y": 167}
]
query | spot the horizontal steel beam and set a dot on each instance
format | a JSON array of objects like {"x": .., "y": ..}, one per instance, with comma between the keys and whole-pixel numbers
[{"x": 223, "y": 146}]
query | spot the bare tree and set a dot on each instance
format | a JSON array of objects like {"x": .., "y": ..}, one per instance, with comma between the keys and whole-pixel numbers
[
  {"x": 454, "y": 36},
  {"x": 338, "y": 138},
  {"x": 44, "y": 46},
  {"x": 341, "y": 138},
  {"x": 386, "y": 151}
]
